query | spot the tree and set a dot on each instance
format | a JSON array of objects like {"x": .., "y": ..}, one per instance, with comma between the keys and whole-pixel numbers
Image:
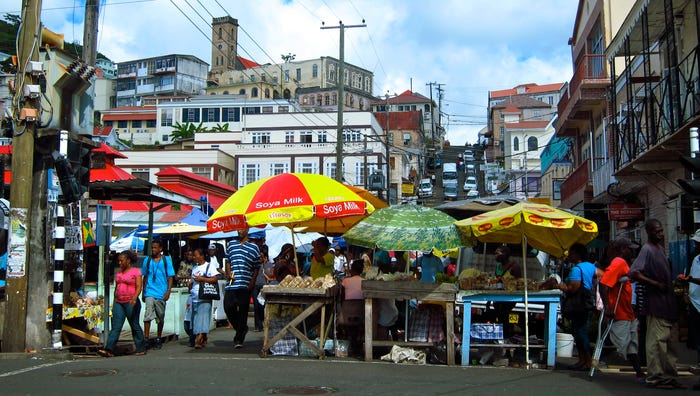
[
  {"x": 220, "y": 128},
  {"x": 186, "y": 130}
]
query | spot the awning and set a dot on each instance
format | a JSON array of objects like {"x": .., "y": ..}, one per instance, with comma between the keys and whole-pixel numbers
[
  {"x": 631, "y": 29},
  {"x": 109, "y": 173},
  {"x": 136, "y": 190}
]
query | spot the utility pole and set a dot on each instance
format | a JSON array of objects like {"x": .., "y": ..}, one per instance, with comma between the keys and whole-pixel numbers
[
  {"x": 90, "y": 32},
  {"x": 28, "y": 43},
  {"x": 341, "y": 94},
  {"x": 388, "y": 153},
  {"x": 432, "y": 115},
  {"x": 440, "y": 91}
]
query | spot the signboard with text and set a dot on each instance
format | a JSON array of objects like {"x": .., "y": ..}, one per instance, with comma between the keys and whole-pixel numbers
[{"x": 625, "y": 211}]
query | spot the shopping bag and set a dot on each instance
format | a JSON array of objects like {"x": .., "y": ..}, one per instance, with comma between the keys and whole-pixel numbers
[{"x": 209, "y": 291}]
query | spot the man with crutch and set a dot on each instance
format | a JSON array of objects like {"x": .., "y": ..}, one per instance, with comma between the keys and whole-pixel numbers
[{"x": 616, "y": 293}]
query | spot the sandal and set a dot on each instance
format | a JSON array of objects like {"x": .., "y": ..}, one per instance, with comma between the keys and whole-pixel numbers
[
  {"x": 105, "y": 353},
  {"x": 140, "y": 353}
]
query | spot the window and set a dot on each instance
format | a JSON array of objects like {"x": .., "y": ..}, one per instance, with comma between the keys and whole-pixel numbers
[
  {"x": 516, "y": 144},
  {"x": 307, "y": 167},
  {"x": 502, "y": 130},
  {"x": 319, "y": 99},
  {"x": 352, "y": 135},
  {"x": 136, "y": 124},
  {"x": 166, "y": 117},
  {"x": 330, "y": 170},
  {"x": 122, "y": 124},
  {"x": 286, "y": 76},
  {"x": 327, "y": 100},
  {"x": 261, "y": 137},
  {"x": 252, "y": 78},
  {"x": 360, "y": 173},
  {"x": 241, "y": 91},
  {"x": 109, "y": 123},
  {"x": 164, "y": 138},
  {"x": 556, "y": 188},
  {"x": 190, "y": 115},
  {"x": 283, "y": 109},
  {"x": 251, "y": 110},
  {"x": 267, "y": 109},
  {"x": 267, "y": 93},
  {"x": 152, "y": 123},
  {"x": 406, "y": 139},
  {"x": 279, "y": 168},
  {"x": 231, "y": 114},
  {"x": 289, "y": 137},
  {"x": 140, "y": 173},
  {"x": 210, "y": 114},
  {"x": 532, "y": 143},
  {"x": 298, "y": 74},
  {"x": 249, "y": 173},
  {"x": 204, "y": 171},
  {"x": 322, "y": 137},
  {"x": 254, "y": 92},
  {"x": 305, "y": 136},
  {"x": 334, "y": 99},
  {"x": 314, "y": 71}
]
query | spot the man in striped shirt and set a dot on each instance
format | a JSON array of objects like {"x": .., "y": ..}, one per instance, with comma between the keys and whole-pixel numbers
[{"x": 242, "y": 268}]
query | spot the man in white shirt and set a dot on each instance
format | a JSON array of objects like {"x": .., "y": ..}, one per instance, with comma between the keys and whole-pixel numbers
[{"x": 339, "y": 260}]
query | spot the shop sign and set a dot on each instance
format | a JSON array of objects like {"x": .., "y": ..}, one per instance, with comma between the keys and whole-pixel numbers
[{"x": 625, "y": 211}]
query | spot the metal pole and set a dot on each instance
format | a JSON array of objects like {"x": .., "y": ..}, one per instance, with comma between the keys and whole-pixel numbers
[{"x": 388, "y": 153}]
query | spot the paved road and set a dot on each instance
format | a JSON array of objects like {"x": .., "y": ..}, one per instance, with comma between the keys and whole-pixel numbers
[{"x": 178, "y": 369}]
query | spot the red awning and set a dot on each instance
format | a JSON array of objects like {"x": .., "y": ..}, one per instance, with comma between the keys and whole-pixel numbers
[
  {"x": 214, "y": 200},
  {"x": 130, "y": 117},
  {"x": 109, "y": 173}
]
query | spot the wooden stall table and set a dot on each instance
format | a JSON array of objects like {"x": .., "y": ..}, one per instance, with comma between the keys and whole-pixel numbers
[
  {"x": 314, "y": 299},
  {"x": 91, "y": 315},
  {"x": 550, "y": 299},
  {"x": 406, "y": 290}
]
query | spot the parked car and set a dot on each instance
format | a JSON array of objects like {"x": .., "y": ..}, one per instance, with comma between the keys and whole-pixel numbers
[
  {"x": 468, "y": 155},
  {"x": 425, "y": 188},
  {"x": 471, "y": 194},
  {"x": 470, "y": 183},
  {"x": 470, "y": 169}
]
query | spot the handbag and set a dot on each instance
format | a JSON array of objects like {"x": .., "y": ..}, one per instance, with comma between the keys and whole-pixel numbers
[
  {"x": 579, "y": 302},
  {"x": 208, "y": 291}
]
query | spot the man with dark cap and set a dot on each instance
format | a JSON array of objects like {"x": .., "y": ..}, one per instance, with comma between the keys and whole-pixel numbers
[
  {"x": 241, "y": 268},
  {"x": 614, "y": 284}
]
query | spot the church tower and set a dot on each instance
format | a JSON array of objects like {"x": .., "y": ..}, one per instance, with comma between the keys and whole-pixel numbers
[{"x": 224, "y": 38}]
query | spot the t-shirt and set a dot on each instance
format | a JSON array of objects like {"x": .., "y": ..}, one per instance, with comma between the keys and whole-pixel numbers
[
  {"x": 339, "y": 263},
  {"x": 319, "y": 270},
  {"x": 244, "y": 259},
  {"x": 430, "y": 265},
  {"x": 586, "y": 269},
  {"x": 125, "y": 290},
  {"x": 156, "y": 276},
  {"x": 617, "y": 269},
  {"x": 353, "y": 287},
  {"x": 652, "y": 262},
  {"x": 693, "y": 289},
  {"x": 201, "y": 270}
]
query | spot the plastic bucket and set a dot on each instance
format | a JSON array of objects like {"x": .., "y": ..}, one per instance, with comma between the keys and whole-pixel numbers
[{"x": 565, "y": 345}]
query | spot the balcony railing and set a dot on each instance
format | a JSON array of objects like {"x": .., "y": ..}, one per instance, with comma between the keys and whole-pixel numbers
[
  {"x": 602, "y": 177},
  {"x": 579, "y": 179},
  {"x": 591, "y": 67}
]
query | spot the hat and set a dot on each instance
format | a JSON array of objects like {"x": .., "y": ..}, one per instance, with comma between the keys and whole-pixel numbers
[
  {"x": 622, "y": 242},
  {"x": 696, "y": 236},
  {"x": 212, "y": 246},
  {"x": 393, "y": 259},
  {"x": 331, "y": 250}
]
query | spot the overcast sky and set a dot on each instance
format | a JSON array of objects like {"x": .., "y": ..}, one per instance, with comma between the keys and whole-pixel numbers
[{"x": 469, "y": 46}]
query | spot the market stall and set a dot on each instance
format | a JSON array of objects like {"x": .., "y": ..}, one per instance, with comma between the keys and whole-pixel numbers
[
  {"x": 550, "y": 299},
  {"x": 406, "y": 290},
  {"x": 313, "y": 297}
]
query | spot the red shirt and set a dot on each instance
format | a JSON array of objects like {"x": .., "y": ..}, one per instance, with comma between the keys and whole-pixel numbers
[{"x": 617, "y": 269}]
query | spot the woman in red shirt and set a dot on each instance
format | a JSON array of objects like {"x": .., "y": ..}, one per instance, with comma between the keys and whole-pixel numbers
[{"x": 126, "y": 305}]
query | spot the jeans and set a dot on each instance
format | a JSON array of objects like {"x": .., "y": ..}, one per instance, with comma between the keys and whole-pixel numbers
[
  {"x": 258, "y": 309},
  {"x": 236, "y": 306},
  {"x": 120, "y": 313},
  {"x": 580, "y": 330},
  {"x": 694, "y": 329}
]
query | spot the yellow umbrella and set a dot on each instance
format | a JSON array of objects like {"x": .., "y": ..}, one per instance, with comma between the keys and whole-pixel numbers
[
  {"x": 542, "y": 226},
  {"x": 313, "y": 201}
]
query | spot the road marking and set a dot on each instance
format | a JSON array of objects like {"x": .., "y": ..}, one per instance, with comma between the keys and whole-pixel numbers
[{"x": 24, "y": 370}]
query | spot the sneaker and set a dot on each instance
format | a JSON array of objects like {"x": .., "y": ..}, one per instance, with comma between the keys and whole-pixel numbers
[
  {"x": 238, "y": 345},
  {"x": 158, "y": 344}
]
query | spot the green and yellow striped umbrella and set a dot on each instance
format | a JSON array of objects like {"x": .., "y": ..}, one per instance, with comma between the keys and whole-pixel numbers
[{"x": 406, "y": 227}]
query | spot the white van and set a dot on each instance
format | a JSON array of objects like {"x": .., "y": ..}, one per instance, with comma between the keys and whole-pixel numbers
[
  {"x": 449, "y": 172},
  {"x": 451, "y": 190},
  {"x": 470, "y": 169}
]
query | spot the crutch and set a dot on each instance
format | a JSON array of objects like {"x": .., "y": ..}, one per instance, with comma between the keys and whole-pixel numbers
[{"x": 601, "y": 338}]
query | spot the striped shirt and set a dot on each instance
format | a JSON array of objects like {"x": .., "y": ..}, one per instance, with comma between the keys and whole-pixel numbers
[{"x": 244, "y": 259}]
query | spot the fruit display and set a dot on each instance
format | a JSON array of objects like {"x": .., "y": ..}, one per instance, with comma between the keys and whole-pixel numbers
[{"x": 298, "y": 282}]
